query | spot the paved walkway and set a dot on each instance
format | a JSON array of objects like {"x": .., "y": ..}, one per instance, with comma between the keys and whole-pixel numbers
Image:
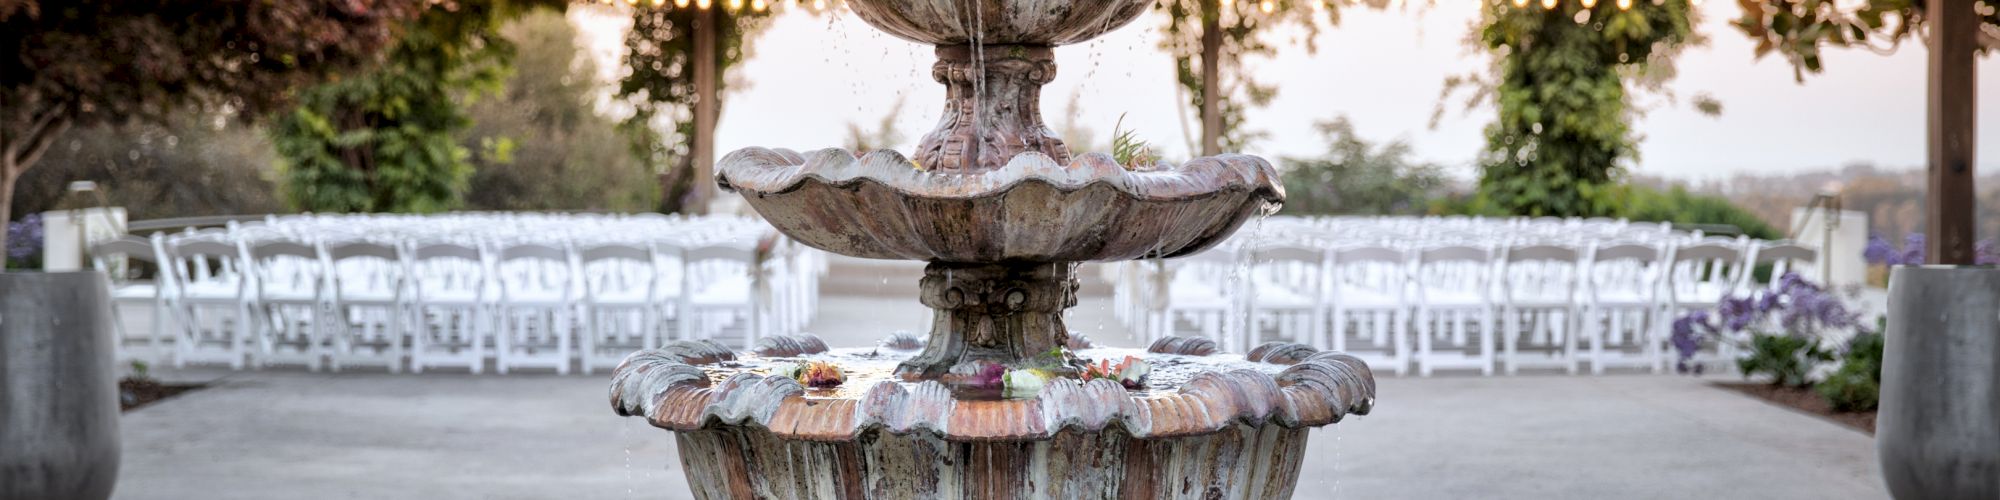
[
  {"x": 296, "y": 435},
  {"x": 264, "y": 435}
]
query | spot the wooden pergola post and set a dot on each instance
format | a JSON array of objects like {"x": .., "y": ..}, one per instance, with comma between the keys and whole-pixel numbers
[
  {"x": 1949, "y": 209},
  {"x": 707, "y": 108},
  {"x": 1211, "y": 77}
]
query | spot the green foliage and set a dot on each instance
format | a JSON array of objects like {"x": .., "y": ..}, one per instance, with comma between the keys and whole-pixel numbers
[
  {"x": 1800, "y": 29},
  {"x": 81, "y": 64},
  {"x": 541, "y": 144},
  {"x": 193, "y": 163},
  {"x": 1677, "y": 205},
  {"x": 386, "y": 140},
  {"x": 1788, "y": 359},
  {"x": 1563, "y": 134},
  {"x": 1127, "y": 148},
  {"x": 1358, "y": 177},
  {"x": 1245, "y": 30},
  {"x": 661, "y": 87},
  {"x": 1856, "y": 386}
]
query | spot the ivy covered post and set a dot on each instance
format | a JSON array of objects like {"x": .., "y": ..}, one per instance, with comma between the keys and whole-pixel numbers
[{"x": 1561, "y": 77}]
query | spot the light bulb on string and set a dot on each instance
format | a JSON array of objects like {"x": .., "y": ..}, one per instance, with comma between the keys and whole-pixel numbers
[
  {"x": 1268, "y": 6},
  {"x": 1624, "y": 4},
  {"x": 1520, "y": 3},
  {"x": 681, "y": 3},
  {"x": 1588, "y": 3},
  {"x": 735, "y": 4},
  {"x": 1548, "y": 4},
  {"x": 757, "y": 5},
  {"x": 703, "y": 4}
]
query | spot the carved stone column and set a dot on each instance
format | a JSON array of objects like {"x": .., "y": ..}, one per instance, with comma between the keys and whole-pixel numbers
[
  {"x": 1003, "y": 313},
  {"x": 992, "y": 108}
]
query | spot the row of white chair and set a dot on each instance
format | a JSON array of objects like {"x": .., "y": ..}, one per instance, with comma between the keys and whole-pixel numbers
[
  {"x": 223, "y": 297},
  {"x": 1477, "y": 307}
]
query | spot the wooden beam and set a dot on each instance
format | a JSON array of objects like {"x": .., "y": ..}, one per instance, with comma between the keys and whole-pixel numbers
[
  {"x": 707, "y": 107},
  {"x": 1211, "y": 78},
  {"x": 1949, "y": 210}
]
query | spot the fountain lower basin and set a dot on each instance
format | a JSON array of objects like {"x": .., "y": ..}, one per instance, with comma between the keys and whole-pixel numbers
[{"x": 1206, "y": 424}]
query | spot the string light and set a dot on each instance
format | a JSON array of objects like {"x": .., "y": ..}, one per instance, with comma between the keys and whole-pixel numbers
[
  {"x": 819, "y": 4},
  {"x": 1548, "y": 4},
  {"x": 757, "y": 5},
  {"x": 1268, "y": 6},
  {"x": 735, "y": 4},
  {"x": 681, "y": 3},
  {"x": 1523, "y": 3},
  {"x": 1624, "y": 4},
  {"x": 1589, "y": 3}
]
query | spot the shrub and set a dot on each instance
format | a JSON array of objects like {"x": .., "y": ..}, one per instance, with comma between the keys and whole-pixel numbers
[
  {"x": 24, "y": 243},
  {"x": 1677, "y": 205},
  {"x": 1856, "y": 386},
  {"x": 1788, "y": 359}
]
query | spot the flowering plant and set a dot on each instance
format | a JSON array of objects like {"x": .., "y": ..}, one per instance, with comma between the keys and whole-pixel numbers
[
  {"x": 814, "y": 374},
  {"x": 24, "y": 241},
  {"x": 1880, "y": 251},
  {"x": 1801, "y": 310}
]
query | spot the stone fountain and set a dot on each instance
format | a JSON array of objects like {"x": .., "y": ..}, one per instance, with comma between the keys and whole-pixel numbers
[{"x": 994, "y": 202}]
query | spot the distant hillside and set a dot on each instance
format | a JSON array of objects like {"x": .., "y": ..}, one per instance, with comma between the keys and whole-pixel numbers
[{"x": 1893, "y": 199}]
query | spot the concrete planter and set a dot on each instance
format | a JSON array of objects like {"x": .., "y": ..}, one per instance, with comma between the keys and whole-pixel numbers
[
  {"x": 58, "y": 395},
  {"x": 1938, "y": 432}
]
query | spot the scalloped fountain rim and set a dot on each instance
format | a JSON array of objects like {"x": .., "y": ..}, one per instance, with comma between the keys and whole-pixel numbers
[
  {"x": 1318, "y": 388},
  {"x": 775, "y": 171}
]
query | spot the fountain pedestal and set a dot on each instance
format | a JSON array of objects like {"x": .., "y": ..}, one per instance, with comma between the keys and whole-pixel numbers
[{"x": 998, "y": 313}]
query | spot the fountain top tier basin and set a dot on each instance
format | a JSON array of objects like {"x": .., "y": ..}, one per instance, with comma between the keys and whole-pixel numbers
[
  {"x": 1032, "y": 22},
  {"x": 1030, "y": 210},
  {"x": 689, "y": 386}
]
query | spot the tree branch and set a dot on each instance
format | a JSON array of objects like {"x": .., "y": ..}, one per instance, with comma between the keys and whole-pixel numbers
[{"x": 40, "y": 144}]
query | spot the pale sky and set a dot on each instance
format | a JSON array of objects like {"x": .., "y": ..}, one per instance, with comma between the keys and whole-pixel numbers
[{"x": 811, "y": 76}]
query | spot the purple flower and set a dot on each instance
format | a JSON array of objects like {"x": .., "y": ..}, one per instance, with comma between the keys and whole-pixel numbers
[
  {"x": 1801, "y": 308},
  {"x": 1879, "y": 251},
  {"x": 24, "y": 238},
  {"x": 1984, "y": 253},
  {"x": 1913, "y": 249}
]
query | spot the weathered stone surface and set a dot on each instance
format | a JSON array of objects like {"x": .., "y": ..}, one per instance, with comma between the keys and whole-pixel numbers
[
  {"x": 1191, "y": 346},
  {"x": 1033, "y": 209},
  {"x": 993, "y": 108},
  {"x": 785, "y": 346},
  {"x": 997, "y": 313},
  {"x": 1319, "y": 389},
  {"x": 1036, "y": 22},
  {"x": 1238, "y": 461}
]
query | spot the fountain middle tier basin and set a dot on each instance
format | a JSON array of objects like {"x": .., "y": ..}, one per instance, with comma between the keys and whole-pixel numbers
[
  {"x": 1032, "y": 209},
  {"x": 1204, "y": 425}
]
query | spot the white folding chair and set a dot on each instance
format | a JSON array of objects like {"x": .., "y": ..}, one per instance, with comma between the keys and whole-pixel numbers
[
  {"x": 538, "y": 295},
  {"x": 1698, "y": 278},
  {"x": 450, "y": 306},
  {"x": 1287, "y": 289},
  {"x": 622, "y": 303},
  {"x": 213, "y": 311},
  {"x": 1369, "y": 291},
  {"x": 722, "y": 286},
  {"x": 1204, "y": 289},
  {"x": 1454, "y": 281},
  {"x": 1622, "y": 307},
  {"x": 285, "y": 280},
  {"x": 114, "y": 258},
  {"x": 1784, "y": 258},
  {"x": 369, "y": 320},
  {"x": 1538, "y": 285}
]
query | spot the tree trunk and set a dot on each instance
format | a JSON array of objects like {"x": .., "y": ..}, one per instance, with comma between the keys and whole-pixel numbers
[{"x": 1211, "y": 78}]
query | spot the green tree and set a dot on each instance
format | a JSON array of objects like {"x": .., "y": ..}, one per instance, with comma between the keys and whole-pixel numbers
[
  {"x": 1800, "y": 29},
  {"x": 1357, "y": 177},
  {"x": 80, "y": 64},
  {"x": 1563, "y": 73},
  {"x": 1205, "y": 36},
  {"x": 194, "y": 162},
  {"x": 386, "y": 140},
  {"x": 541, "y": 144},
  {"x": 660, "y": 85}
]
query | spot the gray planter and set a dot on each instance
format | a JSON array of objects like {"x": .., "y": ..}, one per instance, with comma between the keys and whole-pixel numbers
[
  {"x": 1938, "y": 430},
  {"x": 58, "y": 396}
]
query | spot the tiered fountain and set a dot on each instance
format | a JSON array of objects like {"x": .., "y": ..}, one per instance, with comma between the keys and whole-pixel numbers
[{"x": 996, "y": 205}]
